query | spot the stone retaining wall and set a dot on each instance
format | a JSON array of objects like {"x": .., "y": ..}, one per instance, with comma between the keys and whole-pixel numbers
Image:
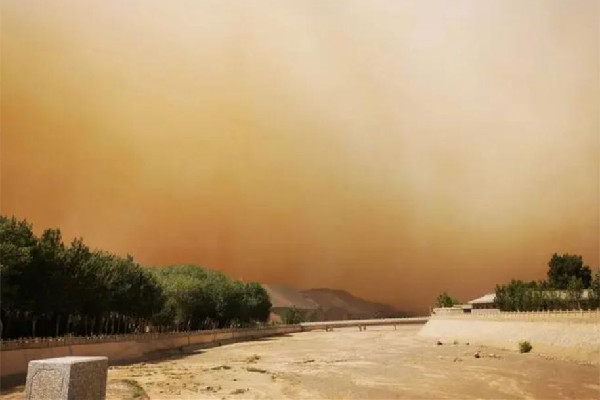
[
  {"x": 563, "y": 335},
  {"x": 14, "y": 361}
]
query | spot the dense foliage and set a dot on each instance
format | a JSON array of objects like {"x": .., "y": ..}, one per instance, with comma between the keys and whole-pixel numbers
[
  {"x": 51, "y": 289},
  {"x": 570, "y": 285},
  {"x": 200, "y": 299},
  {"x": 563, "y": 269}
]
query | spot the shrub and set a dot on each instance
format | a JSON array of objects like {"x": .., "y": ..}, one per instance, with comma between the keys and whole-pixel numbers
[
  {"x": 292, "y": 316},
  {"x": 525, "y": 347}
]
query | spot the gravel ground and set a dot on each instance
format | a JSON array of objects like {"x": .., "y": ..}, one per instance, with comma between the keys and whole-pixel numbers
[{"x": 380, "y": 363}]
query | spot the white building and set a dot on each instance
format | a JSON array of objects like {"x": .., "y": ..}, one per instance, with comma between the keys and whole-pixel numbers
[{"x": 484, "y": 302}]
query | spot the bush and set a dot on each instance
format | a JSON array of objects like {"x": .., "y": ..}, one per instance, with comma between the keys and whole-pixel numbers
[
  {"x": 525, "y": 347},
  {"x": 292, "y": 316}
]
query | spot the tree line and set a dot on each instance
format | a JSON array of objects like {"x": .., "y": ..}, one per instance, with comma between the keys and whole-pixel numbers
[
  {"x": 52, "y": 289},
  {"x": 570, "y": 285}
]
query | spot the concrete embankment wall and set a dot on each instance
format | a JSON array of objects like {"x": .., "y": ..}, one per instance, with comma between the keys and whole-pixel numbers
[
  {"x": 570, "y": 336},
  {"x": 311, "y": 326},
  {"x": 14, "y": 361}
]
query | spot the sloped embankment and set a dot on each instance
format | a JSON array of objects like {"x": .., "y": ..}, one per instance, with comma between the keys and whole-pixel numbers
[{"x": 568, "y": 339}]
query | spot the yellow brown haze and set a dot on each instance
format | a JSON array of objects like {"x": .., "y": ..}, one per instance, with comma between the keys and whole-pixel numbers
[{"x": 394, "y": 149}]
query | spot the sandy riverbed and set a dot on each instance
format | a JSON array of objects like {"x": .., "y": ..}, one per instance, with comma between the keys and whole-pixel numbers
[{"x": 380, "y": 363}]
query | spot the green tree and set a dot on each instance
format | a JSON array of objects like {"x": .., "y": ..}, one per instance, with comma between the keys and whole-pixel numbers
[
  {"x": 594, "y": 292},
  {"x": 502, "y": 300},
  {"x": 17, "y": 242},
  {"x": 184, "y": 301},
  {"x": 257, "y": 302},
  {"x": 444, "y": 300},
  {"x": 50, "y": 289},
  {"x": 209, "y": 298},
  {"x": 48, "y": 278},
  {"x": 575, "y": 291},
  {"x": 518, "y": 296},
  {"x": 564, "y": 267}
]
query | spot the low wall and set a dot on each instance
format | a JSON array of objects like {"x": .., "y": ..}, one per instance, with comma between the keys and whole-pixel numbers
[
  {"x": 533, "y": 316},
  {"x": 15, "y": 359},
  {"x": 573, "y": 336},
  {"x": 311, "y": 326},
  {"x": 448, "y": 310}
]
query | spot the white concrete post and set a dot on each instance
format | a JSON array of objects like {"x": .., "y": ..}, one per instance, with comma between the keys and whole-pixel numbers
[{"x": 67, "y": 378}]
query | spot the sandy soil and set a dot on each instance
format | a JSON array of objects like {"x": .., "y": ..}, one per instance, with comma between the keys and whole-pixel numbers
[{"x": 380, "y": 363}]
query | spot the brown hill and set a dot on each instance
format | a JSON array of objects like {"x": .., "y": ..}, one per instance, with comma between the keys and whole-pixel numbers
[
  {"x": 339, "y": 304},
  {"x": 326, "y": 304},
  {"x": 286, "y": 297}
]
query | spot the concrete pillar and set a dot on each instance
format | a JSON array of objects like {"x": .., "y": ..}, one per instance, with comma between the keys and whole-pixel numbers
[{"x": 67, "y": 378}]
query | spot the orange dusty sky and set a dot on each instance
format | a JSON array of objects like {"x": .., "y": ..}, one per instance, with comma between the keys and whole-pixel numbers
[{"x": 394, "y": 149}]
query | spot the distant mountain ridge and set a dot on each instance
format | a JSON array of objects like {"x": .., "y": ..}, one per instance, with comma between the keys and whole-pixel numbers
[
  {"x": 327, "y": 304},
  {"x": 339, "y": 304},
  {"x": 286, "y": 297}
]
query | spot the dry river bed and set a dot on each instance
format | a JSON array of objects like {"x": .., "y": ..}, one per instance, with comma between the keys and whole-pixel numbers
[{"x": 380, "y": 363}]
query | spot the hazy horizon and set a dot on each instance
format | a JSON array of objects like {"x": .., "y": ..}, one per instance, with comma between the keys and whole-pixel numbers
[{"x": 393, "y": 149}]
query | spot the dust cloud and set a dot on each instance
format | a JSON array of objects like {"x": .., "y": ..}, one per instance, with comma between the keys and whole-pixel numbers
[{"x": 394, "y": 149}]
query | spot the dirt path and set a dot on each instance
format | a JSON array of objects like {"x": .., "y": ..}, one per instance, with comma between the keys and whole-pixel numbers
[{"x": 380, "y": 363}]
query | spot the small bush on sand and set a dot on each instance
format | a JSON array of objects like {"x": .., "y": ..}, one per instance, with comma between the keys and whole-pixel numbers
[
  {"x": 525, "y": 347},
  {"x": 137, "y": 392}
]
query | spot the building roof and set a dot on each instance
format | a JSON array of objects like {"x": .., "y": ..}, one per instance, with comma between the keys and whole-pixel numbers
[{"x": 485, "y": 299}]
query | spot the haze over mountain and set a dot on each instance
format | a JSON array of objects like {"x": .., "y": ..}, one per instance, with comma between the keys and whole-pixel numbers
[
  {"x": 328, "y": 304},
  {"x": 393, "y": 149},
  {"x": 339, "y": 304}
]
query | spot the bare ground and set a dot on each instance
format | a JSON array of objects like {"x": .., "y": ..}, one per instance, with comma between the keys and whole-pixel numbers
[{"x": 380, "y": 363}]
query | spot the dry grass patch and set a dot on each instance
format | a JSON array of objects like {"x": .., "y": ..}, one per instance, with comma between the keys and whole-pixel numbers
[
  {"x": 259, "y": 370},
  {"x": 252, "y": 359}
]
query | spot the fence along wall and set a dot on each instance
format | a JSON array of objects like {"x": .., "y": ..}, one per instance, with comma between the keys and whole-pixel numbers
[
  {"x": 570, "y": 335},
  {"x": 15, "y": 356}
]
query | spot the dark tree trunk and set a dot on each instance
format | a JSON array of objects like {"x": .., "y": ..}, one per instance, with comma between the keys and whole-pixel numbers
[
  {"x": 56, "y": 330},
  {"x": 5, "y": 325},
  {"x": 33, "y": 323},
  {"x": 68, "y": 324}
]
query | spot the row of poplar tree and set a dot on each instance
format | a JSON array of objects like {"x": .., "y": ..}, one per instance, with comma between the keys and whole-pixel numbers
[{"x": 51, "y": 289}]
